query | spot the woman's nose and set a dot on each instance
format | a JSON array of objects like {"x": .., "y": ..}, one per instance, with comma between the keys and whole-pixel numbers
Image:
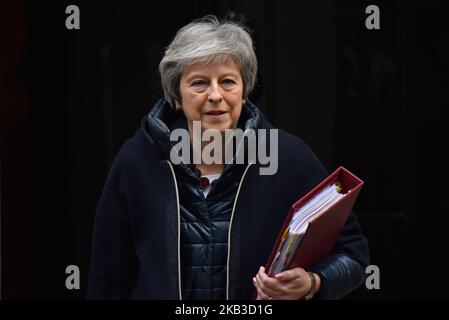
[{"x": 215, "y": 94}]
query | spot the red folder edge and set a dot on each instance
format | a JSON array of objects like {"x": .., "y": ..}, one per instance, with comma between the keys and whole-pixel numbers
[{"x": 324, "y": 230}]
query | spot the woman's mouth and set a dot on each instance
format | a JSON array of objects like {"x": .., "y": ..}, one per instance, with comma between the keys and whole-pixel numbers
[{"x": 216, "y": 115}]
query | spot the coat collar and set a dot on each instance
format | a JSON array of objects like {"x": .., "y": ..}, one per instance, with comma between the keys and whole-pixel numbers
[{"x": 163, "y": 119}]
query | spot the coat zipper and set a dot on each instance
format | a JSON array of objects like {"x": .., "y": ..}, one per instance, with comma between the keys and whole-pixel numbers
[
  {"x": 229, "y": 231},
  {"x": 179, "y": 229}
]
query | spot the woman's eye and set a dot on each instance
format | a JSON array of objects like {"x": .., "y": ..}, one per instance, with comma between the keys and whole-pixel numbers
[
  {"x": 197, "y": 83},
  {"x": 228, "y": 81}
]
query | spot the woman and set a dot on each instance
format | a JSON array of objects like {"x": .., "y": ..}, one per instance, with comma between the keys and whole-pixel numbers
[{"x": 167, "y": 229}]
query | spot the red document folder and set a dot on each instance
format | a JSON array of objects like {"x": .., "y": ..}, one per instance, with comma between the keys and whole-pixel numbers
[{"x": 324, "y": 229}]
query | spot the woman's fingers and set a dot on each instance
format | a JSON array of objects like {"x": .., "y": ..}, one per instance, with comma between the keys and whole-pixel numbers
[
  {"x": 266, "y": 280},
  {"x": 289, "y": 284},
  {"x": 270, "y": 286},
  {"x": 265, "y": 291},
  {"x": 289, "y": 275},
  {"x": 260, "y": 294}
]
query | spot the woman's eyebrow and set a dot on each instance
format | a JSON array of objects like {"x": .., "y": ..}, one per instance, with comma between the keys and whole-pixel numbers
[
  {"x": 229, "y": 74},
  {"x": 195, "y": 75},
  {"x": 201, "y": 75}
]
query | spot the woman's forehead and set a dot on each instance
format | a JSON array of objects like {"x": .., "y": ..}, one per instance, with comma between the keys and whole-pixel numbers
[{"x": 201, "y": 67}]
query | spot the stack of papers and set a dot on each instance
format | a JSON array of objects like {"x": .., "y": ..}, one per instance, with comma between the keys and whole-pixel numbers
[{"x": 292, "y": 235}]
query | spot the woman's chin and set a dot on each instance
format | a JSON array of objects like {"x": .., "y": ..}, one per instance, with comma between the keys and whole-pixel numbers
[{"x": 217, "y": 126}]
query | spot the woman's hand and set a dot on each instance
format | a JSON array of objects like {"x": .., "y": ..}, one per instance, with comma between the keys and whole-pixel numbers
[{"x": 290, "y": 284}]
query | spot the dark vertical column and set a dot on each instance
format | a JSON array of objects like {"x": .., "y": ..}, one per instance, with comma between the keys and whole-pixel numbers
[
  {"x": 47, "y": 81},
  {"x": 303, "y": 85},
  {"x": 15, "y": 156}
]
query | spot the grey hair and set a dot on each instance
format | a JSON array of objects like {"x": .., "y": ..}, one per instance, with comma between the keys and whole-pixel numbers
[{"x": 210, "y": 41}]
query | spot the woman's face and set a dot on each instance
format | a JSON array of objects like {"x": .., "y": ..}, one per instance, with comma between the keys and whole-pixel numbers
[{"x": 212, "y": 94}]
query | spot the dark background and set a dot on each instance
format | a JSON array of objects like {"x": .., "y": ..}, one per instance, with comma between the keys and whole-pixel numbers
[{"x": 372, "y": 100}]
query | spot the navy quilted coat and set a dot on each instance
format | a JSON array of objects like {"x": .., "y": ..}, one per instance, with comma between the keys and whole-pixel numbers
[{"x": 157, "y": 237}]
